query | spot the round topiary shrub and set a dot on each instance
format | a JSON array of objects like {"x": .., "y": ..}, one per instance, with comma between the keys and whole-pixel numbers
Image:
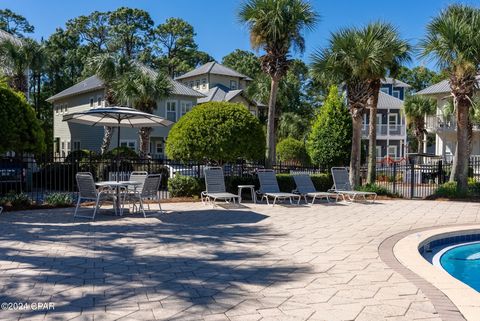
[
  {"x": 292, "y": 150},
  {"x": 217, "y": 132}
]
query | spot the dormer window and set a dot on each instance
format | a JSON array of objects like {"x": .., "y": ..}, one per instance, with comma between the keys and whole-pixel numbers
[
  {"x": 385, "y": 90},
  {"x": 197, "y": 84},
  {"x": 99, "y": 101},
  {"x": 396, "y": 94},
  {"x": 204, "y": 83},
  {"x": 233, "y": 84},
  {"x": 191, "y": 84},
  {"x": 91, "y": 102}
]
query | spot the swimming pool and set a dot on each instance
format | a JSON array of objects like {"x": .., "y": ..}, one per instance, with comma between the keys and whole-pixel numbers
[{"x": 462, "y": 261}]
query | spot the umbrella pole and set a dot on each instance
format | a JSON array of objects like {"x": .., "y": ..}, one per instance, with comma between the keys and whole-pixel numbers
[{"x": 118, "y": 153}]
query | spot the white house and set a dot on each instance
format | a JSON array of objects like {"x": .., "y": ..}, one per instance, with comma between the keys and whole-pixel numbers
[
  {"x": 90, "y": 93},
  {"x": 443, "y": 123}
]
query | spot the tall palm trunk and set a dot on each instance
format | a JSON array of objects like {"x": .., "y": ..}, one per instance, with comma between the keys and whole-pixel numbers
[
  {"x": 358, "y": 94},
  {"x": 144, "y": 138},
  {"x": 270, "y": 153},
  {"x": 107, "y": 131},
  {"x": 464, "y": 141},
  {"x": 372, "y": 132}
]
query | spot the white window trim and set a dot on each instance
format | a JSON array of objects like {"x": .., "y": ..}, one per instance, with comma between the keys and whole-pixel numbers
[
  {"x": 204, "y": 83},
  {"x": 379, "y": 151},
  {"x": 396, "y": 119},
  {"x": 379, "y": 119},
  {"x": 236, "y": 84},
  {"x": 176, "y": 109},
  {"x": 57, "y": 109},
  {"x": 385, "y": 90},
  {"x": 184, "y": 103},
  {"x": 65, "y": 108},
  {"x": 396, "y": 91},
  {"x": 388, "y": 150},
  {"x": 159, "y": 143},
  {"x": 128, "y": 141}
]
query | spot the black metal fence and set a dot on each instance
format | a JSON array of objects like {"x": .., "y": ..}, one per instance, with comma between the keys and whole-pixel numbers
[{"x": 43, "y": 175}]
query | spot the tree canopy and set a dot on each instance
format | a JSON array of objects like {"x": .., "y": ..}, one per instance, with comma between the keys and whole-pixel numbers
[
  {"x": 329, "y": 141},
  {"x": 14, "y": 23},
  {"x": 216, "y": 132}
]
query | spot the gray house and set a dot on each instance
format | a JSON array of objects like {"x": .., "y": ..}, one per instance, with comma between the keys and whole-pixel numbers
[{"x": 90, "y": 93}]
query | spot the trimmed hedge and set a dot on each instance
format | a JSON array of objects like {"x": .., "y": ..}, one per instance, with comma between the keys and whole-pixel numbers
[{"x": 184, "y": 186}]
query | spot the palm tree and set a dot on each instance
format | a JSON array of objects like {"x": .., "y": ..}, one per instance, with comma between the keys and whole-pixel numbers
[
  {"x": 343, "y": 61},
  {"x": 15, "y": 58},
  {"x": 416, "y": 107},
  {"x": 276, "y": 26},
  {"x": 108, "y": 67},
  {"x": 387, "y": 54},
  {"x": 453, "y": 41},
  {"x": 141, "y": 89}
]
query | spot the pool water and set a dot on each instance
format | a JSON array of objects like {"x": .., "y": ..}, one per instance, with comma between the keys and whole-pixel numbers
[{"x": 463, "y": 263}]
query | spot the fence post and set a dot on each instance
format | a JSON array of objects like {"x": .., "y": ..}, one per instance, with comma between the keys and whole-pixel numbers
[
  {"x": 412, "y": 178},
  {"x": 394, "y": 178},
  {"x": 441, "y": 178}
]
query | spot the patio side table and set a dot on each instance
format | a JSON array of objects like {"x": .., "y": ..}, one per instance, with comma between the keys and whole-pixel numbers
[{"x": 252, "y": 191}]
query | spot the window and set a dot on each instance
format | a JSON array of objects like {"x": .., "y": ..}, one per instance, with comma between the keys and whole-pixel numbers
[
  {"x": 159, "y": 148},
  {"x": 91, "y": 102},
  {"x": 171, "y": 112},
  {"x": 65, "y": 108},
  {"x": 204, "y": 83},
  {"x": 68, "y": 147},
  {"x": 191, "y": 84},
  {"x": 185, "y": 107},
  {"x": 56, "y": 109},
  {"x": 392, "y": 151},
  {"x": 197, "y": 84},
  {"x": 233, "y": 84},
  {"x": 63, "y": 149},
  {"x": 392, "y": 119},
  {"x": 99, "y": 101},
  {"x": 396, "y": 94},
  {"x": 76, "y": 145},
  {"x": 379, "y": 151},
  {"x": 385, "y": 90},
  {"x": 379, "y": 119},
  {"x": 57, "y": 145},
  {"x": 132, "y": 144}
]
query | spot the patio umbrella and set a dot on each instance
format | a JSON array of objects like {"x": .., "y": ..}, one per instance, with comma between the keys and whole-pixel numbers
[{"x": 117, "y": 117}]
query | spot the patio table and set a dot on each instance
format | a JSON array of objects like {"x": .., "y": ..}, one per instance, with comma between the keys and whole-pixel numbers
[{"x": 117, "y": 185}]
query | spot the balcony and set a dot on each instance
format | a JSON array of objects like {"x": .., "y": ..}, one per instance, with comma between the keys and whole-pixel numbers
[
  {"x": 435, "y": 124},
  {"x": 384, "y": 131}
]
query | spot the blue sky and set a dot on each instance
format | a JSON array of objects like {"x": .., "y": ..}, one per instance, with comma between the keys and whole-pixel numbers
[{"x": 216, "y": 25}]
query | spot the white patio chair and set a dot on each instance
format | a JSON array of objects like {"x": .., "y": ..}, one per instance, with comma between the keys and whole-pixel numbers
[
  {"x": 87, "y": 191},
  {"x": 215, "y": 187},
  {"x": 136, "y": 176},
  {"x": 306, "y": 189},
  {"x": 269, "y": 187},
  {"x": 1, "y": 209},
  {"x": 341, "y": 185},
  {"x": 149, "y": 190}
]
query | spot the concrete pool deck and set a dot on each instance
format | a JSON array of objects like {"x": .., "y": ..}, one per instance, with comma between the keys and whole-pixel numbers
[{"x": 257, "y": 262}]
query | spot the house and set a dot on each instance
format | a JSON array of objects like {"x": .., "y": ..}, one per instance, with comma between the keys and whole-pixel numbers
[
  {"x": 220, "y": 83},
  {"x": 391, "y": 122},
  {"x": 443, "y": 123},
  {"x": 90, "y": 93}
]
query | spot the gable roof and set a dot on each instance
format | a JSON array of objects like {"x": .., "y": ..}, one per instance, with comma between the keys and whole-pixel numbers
[
  {"x": 442, "y": 87},
  {"x": 93, "y": 83},
  {"x": 213, "y": 67},
  {"x": 386, "y": 101},
  {"x": 222, "y": 93},
  {"x": 395, "y": 82}
]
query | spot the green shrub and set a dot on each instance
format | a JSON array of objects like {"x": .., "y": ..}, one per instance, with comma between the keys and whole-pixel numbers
[
  {"x": 217, "y": 131},
  {"x": 292, "y": 150},
  {"x": 17, "y": 201},
  {"x": 374, "y": 188},
  {"x": 322, "y": 182},
  {"x": 449, "y": 190},
  {"x": 121, "y": 152},
  {"x": 184, "y": 186},
  {"x": 59, "y": 199}
]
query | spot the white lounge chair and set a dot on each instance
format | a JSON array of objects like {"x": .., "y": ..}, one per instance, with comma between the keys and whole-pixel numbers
[
  {"x": 341, "y": 185},
  {"x": 306, "y": 189},
  {"x": 87, "y": 191},
  {"x": 215, "y": 187},
  {"x": 269, "y": 187}
]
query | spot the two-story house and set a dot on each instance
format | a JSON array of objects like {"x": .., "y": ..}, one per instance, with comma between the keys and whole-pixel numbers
[
  {"x": 90, "y": 93},
  {"x": 391, "y": 122},
  {"x": 443, "y": 124},
  {"x": 220, "y": 83}
]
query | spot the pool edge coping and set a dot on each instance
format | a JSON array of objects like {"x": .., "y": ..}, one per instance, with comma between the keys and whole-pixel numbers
[{"x": 407, "y": 261}]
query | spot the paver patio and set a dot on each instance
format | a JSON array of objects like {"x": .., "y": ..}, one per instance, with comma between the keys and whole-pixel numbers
[{"x": 197, "y": 263}]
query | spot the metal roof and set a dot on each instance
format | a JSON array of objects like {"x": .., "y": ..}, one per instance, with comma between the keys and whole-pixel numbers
[
  {"x": 93, "y": 83},
  {"x": 386, "y": 101},
  {"x": 213, "y": 67},
  {"x": 442, "y": 87},
  {"x": 222, "y": 93},
  {"x": 395, "y": 82}
]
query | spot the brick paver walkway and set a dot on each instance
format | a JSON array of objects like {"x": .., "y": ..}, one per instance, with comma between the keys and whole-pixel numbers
[{"x": 195, "y": 263}]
